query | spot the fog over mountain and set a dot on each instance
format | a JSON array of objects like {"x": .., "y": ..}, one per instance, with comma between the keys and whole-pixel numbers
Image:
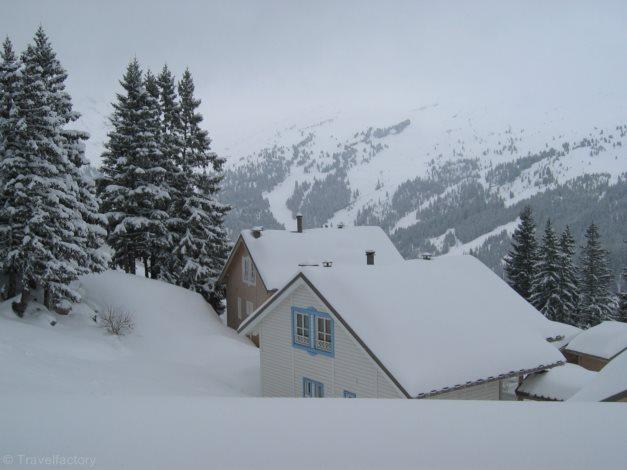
[
  {"x": 435, "y": 120},
  {"x": 260, "y": 65}
]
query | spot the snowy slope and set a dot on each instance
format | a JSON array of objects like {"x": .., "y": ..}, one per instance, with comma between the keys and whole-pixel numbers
[{"x": 178, "y": 347}]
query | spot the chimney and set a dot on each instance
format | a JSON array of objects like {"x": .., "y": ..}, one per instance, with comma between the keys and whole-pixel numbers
[
  {"x": 369, "y": 257},
  {"x": 256, "y": 231},
  {"x": 299, "y": 223},
  {"x": 327, "y": 264}
]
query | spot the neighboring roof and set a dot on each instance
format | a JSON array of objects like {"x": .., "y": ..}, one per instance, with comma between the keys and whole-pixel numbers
[
  {"x": 559, "y": 383},
  {"x": 559, "y": 334},
  {"x": 604, "y": 340},
  {"x": 610, "y": 383},
  {"x": 277, "y": 254},
  {"x": 434, "y": 325}
]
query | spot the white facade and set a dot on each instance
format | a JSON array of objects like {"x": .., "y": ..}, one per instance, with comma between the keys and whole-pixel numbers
[{"x": 351, "y": 370}]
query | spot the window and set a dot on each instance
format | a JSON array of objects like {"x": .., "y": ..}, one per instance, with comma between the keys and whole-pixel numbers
[
  {"x": 239, "y": 308},
  {"x": 348, "y": 394},
  {"x": 301, "y": 333},
  {"x": 248, "y": 270},
  {"x": 323, "y": 334},
  {"x": 312, "y": 330},
  {"x": 249, "y": 308},
  {"x": 312, "y": 389}
]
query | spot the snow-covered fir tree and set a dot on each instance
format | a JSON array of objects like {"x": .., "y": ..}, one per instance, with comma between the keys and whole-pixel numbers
[
  {"x": 521, "y": 260},
  {"x": 160, "y": 242},
  {"x": 621, "y": 312},
  {"x": 171, "y": 148},
  {"x": 201, "y": 242},
  {"x": 545, "y": 294},
  {"x": 566, "y": 311},
  {"x": 132, "y": 189},
  {"x": 11, "y": 167},
  {"x": 54, "y": 248},
  {"x": 596, "y": 302}
]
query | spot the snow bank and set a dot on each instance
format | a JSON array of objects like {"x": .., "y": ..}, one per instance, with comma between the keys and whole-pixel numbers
[
  {"x": 255, "y": 433},
  {"x": 179, "y": 345},
  {"x": 609, "y": 383},
  {"x": 559, "y": 383},
  {"x": 604, "y": 340}
]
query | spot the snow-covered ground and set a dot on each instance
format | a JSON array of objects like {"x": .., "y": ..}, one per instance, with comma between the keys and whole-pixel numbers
[
  {"x": 179, "y": 346},
  {"x": 248, "y": 433}
]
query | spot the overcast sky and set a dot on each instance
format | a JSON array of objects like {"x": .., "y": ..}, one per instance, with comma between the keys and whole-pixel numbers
[{"x": 259, "y": 61}]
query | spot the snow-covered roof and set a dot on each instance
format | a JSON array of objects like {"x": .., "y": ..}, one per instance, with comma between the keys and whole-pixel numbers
[
  {"x": 609, "y": 384},
  {"x": 436, "y": 324},
  {"x": 277, "y": 254},
  {"x": 604, "y": 340},
  {"x": 559, "y": 383}
]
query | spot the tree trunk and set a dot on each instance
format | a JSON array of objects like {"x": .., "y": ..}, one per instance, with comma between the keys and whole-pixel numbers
[
  {"x": 131, "y": 263},
  {"x": 154, "y": 269},
  {"x": 12, "y": 285},
  {"x": 48, "y": 298},
  {"x": 20, "y": 307},
  {"x": 146, "y": 267}
]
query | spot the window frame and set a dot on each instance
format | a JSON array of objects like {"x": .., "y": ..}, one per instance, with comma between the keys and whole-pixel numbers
[
  {"x": 239, "y": 308},
  {"x": 311, "y": 345},
  {"x": 315, "y": 386},
  {"x": 248, "y": 271},
  {"x": 252, "y": 308}
]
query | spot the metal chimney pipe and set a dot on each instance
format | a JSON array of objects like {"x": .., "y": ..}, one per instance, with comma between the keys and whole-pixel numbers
[
  {"x": 370, "y": 257},
  {"x": 299, "y": 223}
]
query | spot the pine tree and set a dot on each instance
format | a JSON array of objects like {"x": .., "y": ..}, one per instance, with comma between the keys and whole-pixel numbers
[
  {"x": 11, "y": 167},
  {"x": 132, "y": 190},
  {"x": 566, "y": 311},
  {"x": 202, "y": 246},
  {"x": 171, "y": 148},
  {"x": 596, "y": 301},
  {"x": 621, "y": 312},
  {"x": 45, "y": 193},
  {"x": 545, "y": 294},
  {"x": 521, "y": 260}
]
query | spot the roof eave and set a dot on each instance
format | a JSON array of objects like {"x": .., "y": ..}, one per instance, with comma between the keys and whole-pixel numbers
[{"x": 504, "y": 376}]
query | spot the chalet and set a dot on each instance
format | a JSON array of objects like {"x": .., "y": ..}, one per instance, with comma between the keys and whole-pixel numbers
[
  {"x": 441, "y": 328},
  {"x": 262, "y": 261},
  {"x": 556, "y": 384},
  {"x": 609, "y": 384},
  {"x": 596, "y": 346}
]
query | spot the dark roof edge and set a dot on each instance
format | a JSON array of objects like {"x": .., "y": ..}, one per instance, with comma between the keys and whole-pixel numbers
[
  {"x": 472, "y": 383},
  {"x": 616, "y": 396}
]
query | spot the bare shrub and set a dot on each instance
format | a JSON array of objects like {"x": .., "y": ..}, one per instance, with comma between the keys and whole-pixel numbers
[{"x": 117, "y": 321}]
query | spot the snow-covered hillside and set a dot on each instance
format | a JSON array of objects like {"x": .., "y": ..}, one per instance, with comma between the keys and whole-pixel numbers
[
  {"x": 179, "y": 346},
  {"x": 439, "y": 176}
]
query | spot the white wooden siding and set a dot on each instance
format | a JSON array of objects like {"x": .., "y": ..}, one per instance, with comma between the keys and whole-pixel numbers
[
  {"x": 484, "y": 391},
  {"x": 283, "y": 366},
  {"x": 352, "y": 369}
]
